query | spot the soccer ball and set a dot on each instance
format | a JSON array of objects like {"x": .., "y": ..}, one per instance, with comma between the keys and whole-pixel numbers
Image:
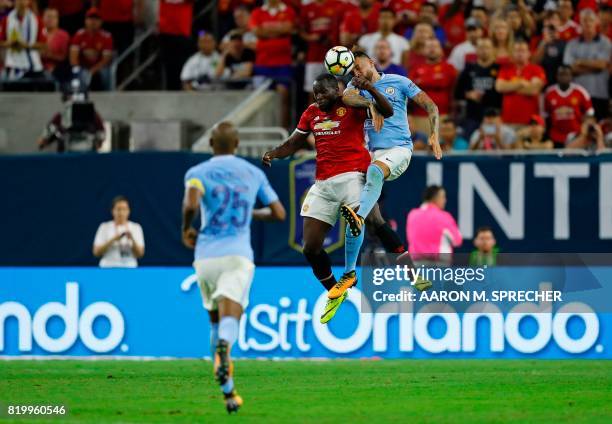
[{"x": 339, "y": 61}]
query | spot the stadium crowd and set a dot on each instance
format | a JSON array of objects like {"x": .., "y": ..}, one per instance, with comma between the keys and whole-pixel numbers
[{"x": 505, "y": 74}]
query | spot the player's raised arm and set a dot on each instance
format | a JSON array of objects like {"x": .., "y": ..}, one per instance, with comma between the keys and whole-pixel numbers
[
  {"x": 295, "y": 142},
  {"x": 424, "y": 101},
  {"x": 382, "y": 105},
  {"x": 351, "y": 97}
]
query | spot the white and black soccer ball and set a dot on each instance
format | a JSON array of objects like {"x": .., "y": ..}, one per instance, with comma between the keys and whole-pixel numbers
[{"x": 339, "y": 61}]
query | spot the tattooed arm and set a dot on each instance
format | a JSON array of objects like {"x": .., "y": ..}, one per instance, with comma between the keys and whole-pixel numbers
[{"x": 424, "y": 101}]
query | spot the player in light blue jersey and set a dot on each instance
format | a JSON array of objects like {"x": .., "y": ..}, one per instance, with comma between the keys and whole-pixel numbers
[
  {"x": 390, "y": 143},
  {"x": 224, "y": 190}
]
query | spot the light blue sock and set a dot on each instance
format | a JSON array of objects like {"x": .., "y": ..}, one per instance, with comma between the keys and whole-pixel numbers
[
  {"x": 375, "y": 178},
  {"x": 228, "y": 330},
  {"x": 214, "y": 337},
  {"x": 228, "y": 386},
  {"x": 352, "y": 245}
]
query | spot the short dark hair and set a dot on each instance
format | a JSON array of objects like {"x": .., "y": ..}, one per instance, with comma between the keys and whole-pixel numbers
[
  {"x": 491, "y": 112},
  {"x": 448, "y": 120},
  {"x": 386, "y": 10},
  {"x": 483, "y": 229},
  {"x": 360, "y": 53},
  {"x": 118, "y": 199},
  {"x": 431, "y": 191},
  {"x": 327, "y": 79},
  {"x": 430, "y": 4},
  {"x": 566, "y": 67}
]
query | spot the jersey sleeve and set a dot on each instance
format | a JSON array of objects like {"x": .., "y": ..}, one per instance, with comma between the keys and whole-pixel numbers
[
  {"x": 193, "y": 180},
  {"x": 254, "y": 21},
  {"x": 409, "y": 88},
  {"x": 101, "y": 237},
  {"x": 304, "y": 124},
  {"x": 266, "y": 193}
]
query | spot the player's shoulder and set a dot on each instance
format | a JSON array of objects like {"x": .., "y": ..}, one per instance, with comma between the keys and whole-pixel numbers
[{"x": 580, "y": 89}]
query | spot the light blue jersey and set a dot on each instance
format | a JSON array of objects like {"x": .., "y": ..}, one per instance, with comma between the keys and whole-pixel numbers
[
  {"x": 397, "y": 89},
  {"x": 231, "y": 185}
]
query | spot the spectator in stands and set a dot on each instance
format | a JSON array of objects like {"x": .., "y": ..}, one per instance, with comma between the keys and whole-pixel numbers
[
  {"x": 452, "y": 17},
  {"x": 429, "y": 14},
  {"x": 119, "y": 243},
  {"x": 476, "y": 85},
  {"x": 503, "y": 40},
  {"x": 91, "y": 52},
  {"x": 466, "y": 52},
  {"x": 492, "y": 134},
  {"x": 242, "y": 16},
  {"x": 521, "y": 23},
  {"x": 430, "y": 230},
  {"x": 569, "y": 29},
  {"x": 406, "y": 13},
  {"x": 605, "y": 19},
  {"x": 358, "y": 21},
  {"x": 319, "y": 29},
  {"x": 520, "y": 84},
  {"x": 480, "y": 14},
  {"x": 565, "y": 104},
  {"x": 606, "y": 126},
  {"x": 120, "y": 18},
  {"x": 416, "y": 56},
  {"x": 58, "y": 42},
  {"x": 549, "y": 53},
  {"x": 590, "y": 136},
  {"x": 437, "y": 78},
  {"x": 399, "y": 45},
  {"x": 22, "y": 39},
  {"x": 273, "y": 25},
  {"x": 227, "y": 15},
  {"x": 72, "y": 14},
  {"x": 236, "y": 62},
  {"x": 5, "y": 8},
  {"x": 486, "y": 248},
  {"x": 382, "y": 56},
  {"x": 589, "y": 57},
  {"x": 175, "y": 20},
  {"x": 532, "y": 137},
  {"x": 201, "y": 68},
  {"x": 449, "y": 138}
]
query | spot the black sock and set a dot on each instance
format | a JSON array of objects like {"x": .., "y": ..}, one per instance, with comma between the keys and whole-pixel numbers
[
  {"x": 321, "y": 267},
  {"x": 390, "y": 240}
]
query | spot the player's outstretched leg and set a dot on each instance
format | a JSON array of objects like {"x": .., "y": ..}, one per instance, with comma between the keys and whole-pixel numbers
[
  {"x": 352, "y": 246},
  {"x": 375, "y": 178},
  {"x": 229, "y": 312}
]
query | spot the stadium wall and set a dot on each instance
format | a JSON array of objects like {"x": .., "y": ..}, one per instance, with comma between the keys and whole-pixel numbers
[
  {"x": 52, "y": 205},
  {"x": 157, "y": 312}
]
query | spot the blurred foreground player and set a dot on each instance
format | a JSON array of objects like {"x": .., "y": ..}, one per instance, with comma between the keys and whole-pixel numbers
[
  {"x": 342, "y": 160},
  {"x": 225, "y": 188}
]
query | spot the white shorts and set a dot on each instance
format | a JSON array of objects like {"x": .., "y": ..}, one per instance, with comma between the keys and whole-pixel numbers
[
  {"x": 226, "y": 276},
  {"x": 396, "y": 158},
  {"x": 311, "y": 71},
  {"x": 325, "y": 197}
]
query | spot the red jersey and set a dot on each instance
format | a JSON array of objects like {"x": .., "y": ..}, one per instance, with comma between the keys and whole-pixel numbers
[
  {"x": 406, "y": 7},
  {"x": 339, "y": 138},
  {"x": 175, "y": 17},
  {"x": 453, "y": 26},
  {"x": 273, "y": 51},
  {"x": 91, "y": 46},
  {"x": 67, "y": 7},
  {"x": 116, "y": 10},
  {"x": 322, "y": 19},
  {"x": 57, "y": 44},
  {"x": 518, "y": 108},
  {"x": 568, "y": 30},
  {"x": 438, "y": 81},
  {"x": 565, "y": 110},
  {"x": 354, "y": 23}
]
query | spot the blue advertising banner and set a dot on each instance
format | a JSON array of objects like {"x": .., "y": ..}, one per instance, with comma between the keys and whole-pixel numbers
[{"x": 157, "y": 312}]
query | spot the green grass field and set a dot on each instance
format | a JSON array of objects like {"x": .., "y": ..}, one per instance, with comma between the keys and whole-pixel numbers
[{"x": 413, "y": 391}]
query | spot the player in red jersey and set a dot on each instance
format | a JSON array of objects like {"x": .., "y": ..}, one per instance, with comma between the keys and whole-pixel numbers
[
  {"x": 566, "y": 103},
  {"x": 342, "y": 160}
]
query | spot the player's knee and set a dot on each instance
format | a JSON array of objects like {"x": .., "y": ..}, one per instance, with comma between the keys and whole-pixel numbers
[
  {"x": 375, "y": 174},
  {"x": 312, "y": 248}
]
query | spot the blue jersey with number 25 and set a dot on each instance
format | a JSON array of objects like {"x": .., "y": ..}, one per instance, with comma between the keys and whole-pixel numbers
[{"x": 231, "y": 186}]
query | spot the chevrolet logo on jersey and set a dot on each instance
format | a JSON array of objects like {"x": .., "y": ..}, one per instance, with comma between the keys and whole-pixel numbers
[{"x": 326, "y": 125}]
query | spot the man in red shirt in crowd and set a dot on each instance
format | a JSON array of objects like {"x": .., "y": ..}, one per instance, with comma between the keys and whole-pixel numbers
[
  {"x": 437, "y": 78},
  {"x": 72, "y": 14},
  {"x": 119, "y": 17},
  {"x": 358, "y": 21},
  {"x": 520, "y": 84},
  {"x": 175, "y": 18},
  {"x": 566, "y": 103},
  {"x": 569, "y": 28},
  {"x": 273, "y": 24},
  {"x": 406, "y": 12},
  {"x": 91, "y": 50},
  {"x": 58, "y": 42},
  {"x": 319, "y": 22}
]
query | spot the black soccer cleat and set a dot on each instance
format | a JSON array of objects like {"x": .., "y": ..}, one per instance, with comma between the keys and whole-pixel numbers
[
  {"x": 233, "y": 401},
  {"x": 354, "y": 221}
]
